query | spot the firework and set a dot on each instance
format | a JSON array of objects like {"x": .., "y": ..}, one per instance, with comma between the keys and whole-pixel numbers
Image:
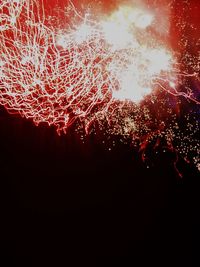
[{"x": 95, "y": 68}]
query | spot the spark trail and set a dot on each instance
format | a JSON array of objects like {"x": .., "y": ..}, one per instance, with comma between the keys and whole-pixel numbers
[{"x": 87, "y": 71}]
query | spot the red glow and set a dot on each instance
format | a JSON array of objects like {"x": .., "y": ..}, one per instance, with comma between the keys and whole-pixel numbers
[{"x": 81, "y": 66}]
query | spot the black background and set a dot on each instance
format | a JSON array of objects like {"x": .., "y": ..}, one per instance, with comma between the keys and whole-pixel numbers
[{"x": 68, "y": 203}]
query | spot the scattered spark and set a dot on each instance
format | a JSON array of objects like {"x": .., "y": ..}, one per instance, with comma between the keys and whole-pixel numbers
[{"x": 96, "y": 68}]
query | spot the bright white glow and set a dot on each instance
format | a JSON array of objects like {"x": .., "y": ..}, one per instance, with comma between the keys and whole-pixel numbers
[
  {"x": 128, "y": 16},
  {"x": 172, "y": 84},
  {"x": 144, "y": 21},
  {"x": 117, "y": 35},
  {"x": 158, "y": 59},
  {"x": 2, "y": 63},
  {"x": 83, "y": 33},
  {"x": 62, "y": 41},
  {"x": 132, "y": 64},
  {"x": 138, "y": 63}
]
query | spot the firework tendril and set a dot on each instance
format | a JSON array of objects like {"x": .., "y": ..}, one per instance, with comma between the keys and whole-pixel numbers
[{"x": 97, "y": 68}]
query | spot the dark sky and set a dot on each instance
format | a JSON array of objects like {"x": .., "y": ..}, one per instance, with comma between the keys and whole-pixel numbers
[{"x": 64, "y": 203}]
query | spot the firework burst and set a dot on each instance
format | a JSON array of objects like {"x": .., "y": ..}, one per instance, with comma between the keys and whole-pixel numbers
[{"x": 113, "y": 67}]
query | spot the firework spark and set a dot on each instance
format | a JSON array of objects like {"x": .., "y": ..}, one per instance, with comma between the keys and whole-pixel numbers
[
  {"x": 87, "y": 70},
  {"x": 65, "y": 75}
]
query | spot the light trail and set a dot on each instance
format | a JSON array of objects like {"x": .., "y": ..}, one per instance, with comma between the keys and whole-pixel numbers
[
  {"x": 93, "y": 68},
  {"x": 58, "y": 77}
]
